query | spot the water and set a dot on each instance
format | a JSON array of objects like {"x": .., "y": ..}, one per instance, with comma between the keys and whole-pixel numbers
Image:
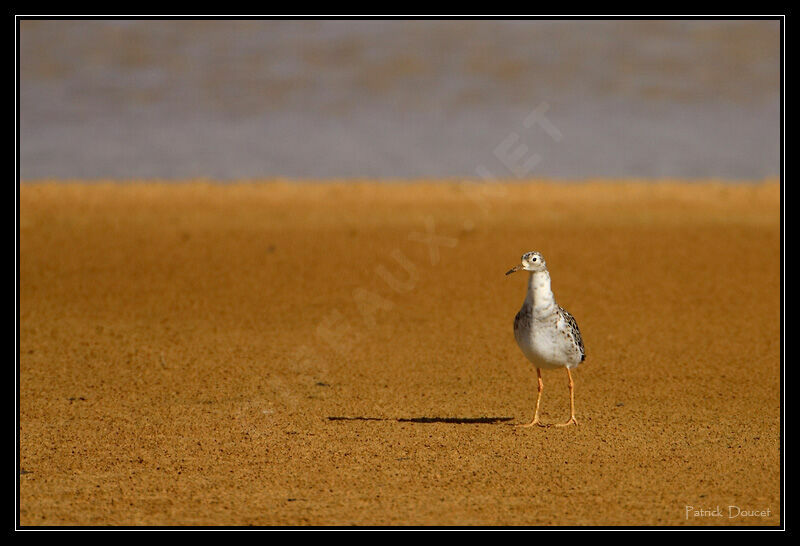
[{"x": 332, "y": 99}]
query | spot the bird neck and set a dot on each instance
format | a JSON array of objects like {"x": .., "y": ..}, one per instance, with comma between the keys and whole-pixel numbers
[{"x": 540, "y": 296}]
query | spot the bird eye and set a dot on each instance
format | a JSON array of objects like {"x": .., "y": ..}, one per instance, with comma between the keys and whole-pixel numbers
[{"x": 533, "y": 259}]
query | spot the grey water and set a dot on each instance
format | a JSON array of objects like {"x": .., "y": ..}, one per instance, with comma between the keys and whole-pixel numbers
[{"x": 229, "y": 100}]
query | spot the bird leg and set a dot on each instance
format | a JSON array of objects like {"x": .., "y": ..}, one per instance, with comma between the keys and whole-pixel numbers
[
  {"x": 538, "y": 401},
  {"x": 572, "y": 420}
]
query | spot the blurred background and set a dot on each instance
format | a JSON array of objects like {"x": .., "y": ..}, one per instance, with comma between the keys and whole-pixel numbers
[{"x": 230, "y": 100}]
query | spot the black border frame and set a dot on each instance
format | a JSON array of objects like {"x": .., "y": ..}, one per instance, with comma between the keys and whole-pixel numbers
[{"x": 17, "y": 527}]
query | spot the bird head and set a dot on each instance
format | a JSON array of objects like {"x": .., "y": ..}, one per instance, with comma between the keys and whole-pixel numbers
[{"x": 530, "y": 261}]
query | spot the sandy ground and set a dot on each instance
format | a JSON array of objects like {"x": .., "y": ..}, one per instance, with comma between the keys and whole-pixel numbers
[{"x": 292, "y": 354}]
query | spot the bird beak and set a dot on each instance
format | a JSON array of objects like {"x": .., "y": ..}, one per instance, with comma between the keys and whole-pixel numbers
[{"x": 513, "y": 269}]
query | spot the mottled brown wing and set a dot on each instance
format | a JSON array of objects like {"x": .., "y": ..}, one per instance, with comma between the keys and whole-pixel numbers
[{"x": 574, "y": 330}]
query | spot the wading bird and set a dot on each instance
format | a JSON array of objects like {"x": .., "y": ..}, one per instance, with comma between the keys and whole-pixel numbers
[{"x": 547, "y": 334}]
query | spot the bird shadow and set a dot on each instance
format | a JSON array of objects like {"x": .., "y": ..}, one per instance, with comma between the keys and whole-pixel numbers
[{"x": 448, "y": 420}]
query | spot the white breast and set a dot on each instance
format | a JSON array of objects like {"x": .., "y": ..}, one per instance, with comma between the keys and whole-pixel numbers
[
  {"x": 547, "y": 334},
  {"x": 545, "y": 341}
]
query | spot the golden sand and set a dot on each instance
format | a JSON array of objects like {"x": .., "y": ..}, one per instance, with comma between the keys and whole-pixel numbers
[{"x": 293, "y": 354}]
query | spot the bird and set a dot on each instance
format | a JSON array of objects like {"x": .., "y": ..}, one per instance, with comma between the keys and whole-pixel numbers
[{"x": 547, "y": 334}]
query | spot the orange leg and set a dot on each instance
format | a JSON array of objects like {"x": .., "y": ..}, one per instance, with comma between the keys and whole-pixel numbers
[
  {"x": 538, "y": 401},
  {"x": 572, "y": 420}
]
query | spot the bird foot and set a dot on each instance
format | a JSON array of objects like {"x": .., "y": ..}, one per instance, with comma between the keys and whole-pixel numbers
[
  {"x": 535, "y": 422},
  {"x": 572, "y": 421}
]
